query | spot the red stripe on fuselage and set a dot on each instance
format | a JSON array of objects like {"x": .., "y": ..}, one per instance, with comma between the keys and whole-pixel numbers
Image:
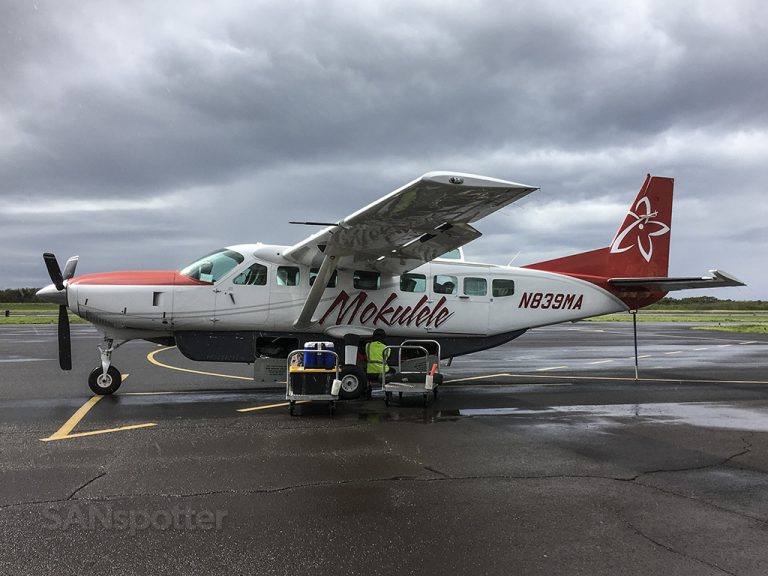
[{"x": 138, "y": 278}]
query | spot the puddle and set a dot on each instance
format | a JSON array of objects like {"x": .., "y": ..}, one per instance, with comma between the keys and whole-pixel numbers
[
  {"x": 423, "y": 416},
  {"x": 702, "y": 414}
]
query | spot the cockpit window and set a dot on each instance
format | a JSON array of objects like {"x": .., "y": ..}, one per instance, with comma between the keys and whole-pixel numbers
[
  {"x": 211, "y": 267},
  {"x": 255, "y": 275}
]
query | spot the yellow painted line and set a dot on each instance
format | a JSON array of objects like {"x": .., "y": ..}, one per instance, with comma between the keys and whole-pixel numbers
[
  {"x": 550, "y": 368},
  {"x": 151, "y": 358},
  {"x": 96, "y": 432},
  {"x": 601, "y": 361},
  {"x": 74, "y": 420},
  {"x": 675, "y": 352},
  {"x": 156, "y": 393},
  {"x": 66, "y": 430},
  {"x": 268, "y": 406}
]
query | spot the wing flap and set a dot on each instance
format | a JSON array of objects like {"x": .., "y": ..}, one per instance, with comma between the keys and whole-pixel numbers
[{"x": 719, "y": 279}]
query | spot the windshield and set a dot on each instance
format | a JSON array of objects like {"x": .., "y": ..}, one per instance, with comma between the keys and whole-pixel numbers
[{"x": 213, "y": 266}]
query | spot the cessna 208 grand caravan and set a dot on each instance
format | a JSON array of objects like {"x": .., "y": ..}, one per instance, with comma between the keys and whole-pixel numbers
[{"x": 396, "y": 264}]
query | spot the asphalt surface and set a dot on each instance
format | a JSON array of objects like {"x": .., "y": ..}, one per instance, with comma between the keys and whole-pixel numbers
[{"x": 543, "y": 456}]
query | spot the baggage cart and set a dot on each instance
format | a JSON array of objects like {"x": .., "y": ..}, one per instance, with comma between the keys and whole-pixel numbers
[
  {"x": 419, "y": 375},
  {"x": 318, "y": 383}
]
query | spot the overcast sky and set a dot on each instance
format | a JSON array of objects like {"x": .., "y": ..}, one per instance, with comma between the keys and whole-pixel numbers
[{"x": 140, "y": 135}]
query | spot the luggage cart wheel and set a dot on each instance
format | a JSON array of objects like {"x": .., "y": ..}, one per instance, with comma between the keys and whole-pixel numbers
[
  {"x": 387, "y": 398},
  {"x": 332, "y": 407},
  {"x": 290, "y": 407},
  {"x": 426, "y": 401},
  {"x": 434, "y": 393}
]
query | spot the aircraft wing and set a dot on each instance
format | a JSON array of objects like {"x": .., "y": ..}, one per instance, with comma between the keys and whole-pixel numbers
[
  {"x": 718, "y": 279},
  {"x": 410, "y": 226}
]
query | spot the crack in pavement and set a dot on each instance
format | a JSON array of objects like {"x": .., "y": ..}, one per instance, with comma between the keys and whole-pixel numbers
[
  {"x": 747, "y": 447},
  {"x": 442, "y": 477},
  {"x": 668, "y": 548},
  {"x": 91, "y": 481},
  {"x": 436, "y": 471}
]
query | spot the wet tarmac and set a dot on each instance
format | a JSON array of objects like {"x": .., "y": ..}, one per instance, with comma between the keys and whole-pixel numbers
[{"x": 543, "y": 456}]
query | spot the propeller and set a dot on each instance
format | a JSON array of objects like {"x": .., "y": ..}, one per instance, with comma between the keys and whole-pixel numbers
[{"x": 59, "y": 296}]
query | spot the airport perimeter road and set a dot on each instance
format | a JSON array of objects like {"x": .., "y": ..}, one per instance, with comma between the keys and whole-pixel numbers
[{"x": 543, "y": 456}]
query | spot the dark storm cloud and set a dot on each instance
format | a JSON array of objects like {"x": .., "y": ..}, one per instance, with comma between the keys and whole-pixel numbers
[{"x": 218, "y": 124}]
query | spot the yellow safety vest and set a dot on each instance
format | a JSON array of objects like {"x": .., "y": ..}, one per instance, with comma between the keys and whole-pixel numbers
[{"x": 375, "y": 353}]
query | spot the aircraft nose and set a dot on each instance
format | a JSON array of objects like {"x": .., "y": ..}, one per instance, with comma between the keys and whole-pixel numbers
[{"x": 52, "y": 295}]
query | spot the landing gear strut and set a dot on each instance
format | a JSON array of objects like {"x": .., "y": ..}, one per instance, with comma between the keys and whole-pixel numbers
[{"x": 105, "y": 379}]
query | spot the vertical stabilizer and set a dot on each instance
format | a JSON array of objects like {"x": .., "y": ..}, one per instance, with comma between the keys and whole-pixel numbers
[{"x": 640, "y": 248}]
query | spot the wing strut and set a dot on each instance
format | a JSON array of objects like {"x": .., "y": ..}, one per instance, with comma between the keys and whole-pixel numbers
[{"x": 316, "y": 292}]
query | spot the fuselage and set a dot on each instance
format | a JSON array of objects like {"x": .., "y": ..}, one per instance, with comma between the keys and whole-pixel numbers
[{"x": 252, "y": 288}]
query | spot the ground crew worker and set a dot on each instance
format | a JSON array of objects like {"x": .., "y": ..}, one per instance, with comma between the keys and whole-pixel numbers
[{"x": 374, "y": 351}]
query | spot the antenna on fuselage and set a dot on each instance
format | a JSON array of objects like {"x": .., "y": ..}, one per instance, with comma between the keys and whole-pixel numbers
[{"x": 513, "y": 258}]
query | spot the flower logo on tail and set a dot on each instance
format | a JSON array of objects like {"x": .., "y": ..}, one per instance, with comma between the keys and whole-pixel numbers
[{"x": 644, "y": 227}]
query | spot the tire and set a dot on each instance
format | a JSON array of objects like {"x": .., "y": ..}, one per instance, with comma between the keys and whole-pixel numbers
[
  {"x": 103, "y": 384},
  {"x": 354, "y": 382}
]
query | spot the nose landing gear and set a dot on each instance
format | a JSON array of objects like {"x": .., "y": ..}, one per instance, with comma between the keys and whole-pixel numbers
[{"x": 105, "y": 379}]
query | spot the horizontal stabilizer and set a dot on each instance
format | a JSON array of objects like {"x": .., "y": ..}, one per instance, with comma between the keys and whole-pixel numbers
[{"x": 665, "y": 284}]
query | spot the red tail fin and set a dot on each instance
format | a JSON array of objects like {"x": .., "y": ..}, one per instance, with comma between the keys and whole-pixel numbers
[{"x": 640, "y": 247}]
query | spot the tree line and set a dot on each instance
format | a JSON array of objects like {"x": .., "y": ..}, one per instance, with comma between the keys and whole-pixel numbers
[
  {"x": 19, "y": 295},
  {"x": 707, "y": 303}
]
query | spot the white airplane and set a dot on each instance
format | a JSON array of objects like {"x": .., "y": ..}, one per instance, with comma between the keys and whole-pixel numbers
[{"x": 396, "y": 264}]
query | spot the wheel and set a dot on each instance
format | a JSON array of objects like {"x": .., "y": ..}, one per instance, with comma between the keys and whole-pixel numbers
[
  {"x": 353, "y": 382},
  {"x": 434, "y": 393},
  {"x": 387, "y": 398},
  {"x": 426, "y": 400},
  {"x": 290, "y": 408},
  {"x": 103, "y": 384},
  {"x": 332, "y": 407}
]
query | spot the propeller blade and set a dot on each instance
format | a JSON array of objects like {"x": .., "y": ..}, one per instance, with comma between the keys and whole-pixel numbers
[
  {"x": 70, "y": 267},
  {"x": 53, "y": 270},
  {"x": 65, "y": 346}
]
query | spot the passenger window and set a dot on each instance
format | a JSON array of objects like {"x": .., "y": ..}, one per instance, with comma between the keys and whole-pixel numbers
[
  {"x": 413, "y": 283},
  {"x": 313, "y": 274},
  {"x": 255, "y": 275},
  {"x": 364, "y": 280},
  {"x": 287, "y": 276},
  {"x": 503, "y": 288},
  {"x": 444, "y": 284},
  {"x": 475, "y": 286}
]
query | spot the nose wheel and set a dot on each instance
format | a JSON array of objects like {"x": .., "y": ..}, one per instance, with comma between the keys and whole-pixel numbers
[
  {"x": 101, "y": 383},
  {"x": 105, "y": 379}
]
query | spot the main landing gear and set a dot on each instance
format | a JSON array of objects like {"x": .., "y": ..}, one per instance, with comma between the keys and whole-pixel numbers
[{"x": 105, "y": 379}]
